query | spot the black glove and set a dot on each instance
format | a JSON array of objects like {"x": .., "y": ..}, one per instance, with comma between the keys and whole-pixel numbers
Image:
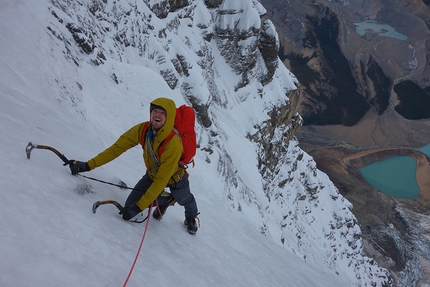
[
  {"x": 78, "y": 166},
  {"x": 130, "y": 211}
]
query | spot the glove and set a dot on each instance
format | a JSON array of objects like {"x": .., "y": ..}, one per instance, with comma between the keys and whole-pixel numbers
[
  {"x": 78, "y": 166},
  {"x": 130, "y": 211}
]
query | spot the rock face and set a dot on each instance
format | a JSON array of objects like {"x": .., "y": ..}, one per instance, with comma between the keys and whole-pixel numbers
[
  {"x": 243, "y": 40},
  {"x": 362, "y": 97}
]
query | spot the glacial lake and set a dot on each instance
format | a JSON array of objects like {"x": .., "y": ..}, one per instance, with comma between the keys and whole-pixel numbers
[
  {"x": 395, "y": 176},
  {"x": 382, "y": 29}
]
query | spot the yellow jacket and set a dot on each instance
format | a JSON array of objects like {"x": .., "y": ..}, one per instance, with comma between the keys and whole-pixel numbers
[{"x": 168, "y": 172}]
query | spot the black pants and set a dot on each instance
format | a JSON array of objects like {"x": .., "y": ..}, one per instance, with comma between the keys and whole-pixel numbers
[{"x": 180, "y": 192}]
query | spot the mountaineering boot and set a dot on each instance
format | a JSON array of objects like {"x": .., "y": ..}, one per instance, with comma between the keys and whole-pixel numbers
[
  {"x": 191, "y": 224},
  {"x": 157, "y": 215},
  {"x": 161, "y": 209}
]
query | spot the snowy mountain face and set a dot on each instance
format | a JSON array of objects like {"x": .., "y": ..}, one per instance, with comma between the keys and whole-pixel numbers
[{"x": 221, "y": 58}]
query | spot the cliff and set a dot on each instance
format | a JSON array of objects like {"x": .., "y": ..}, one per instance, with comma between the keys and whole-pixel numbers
[{"x": 365, "y": 96}]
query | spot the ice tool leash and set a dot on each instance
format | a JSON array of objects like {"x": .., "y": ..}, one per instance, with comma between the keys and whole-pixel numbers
[{"x": 67, "y": 162}]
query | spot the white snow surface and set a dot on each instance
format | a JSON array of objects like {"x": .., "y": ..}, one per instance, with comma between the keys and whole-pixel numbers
[{"x": 52, "y": 94}]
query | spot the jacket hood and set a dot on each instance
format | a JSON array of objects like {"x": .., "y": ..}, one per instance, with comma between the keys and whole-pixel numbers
[{"x": 170, "y": 107}]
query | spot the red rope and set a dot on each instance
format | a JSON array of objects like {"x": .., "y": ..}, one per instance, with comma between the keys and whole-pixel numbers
[{"x": 140, "y": 247}]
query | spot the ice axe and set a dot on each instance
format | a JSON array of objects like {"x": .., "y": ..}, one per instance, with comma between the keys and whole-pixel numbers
[
  {"x": 31, "y": 146},
  {"x": 108, "y": 201},
  {"x": 120, "y": 208},
  {"x": 66, "y": 161}
]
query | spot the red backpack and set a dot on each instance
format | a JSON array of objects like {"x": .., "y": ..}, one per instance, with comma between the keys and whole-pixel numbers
[{"x": 184, "y": 127}]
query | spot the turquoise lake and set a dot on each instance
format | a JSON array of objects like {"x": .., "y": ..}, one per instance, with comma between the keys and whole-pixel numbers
[
  {"x": 382, "y": 29},
  {"x": 395, "y": 176}
]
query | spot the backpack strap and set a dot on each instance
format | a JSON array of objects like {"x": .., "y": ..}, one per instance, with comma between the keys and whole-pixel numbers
[
  {"x": 165, "y": 141},
  {"x": 144, "y": 131}
]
